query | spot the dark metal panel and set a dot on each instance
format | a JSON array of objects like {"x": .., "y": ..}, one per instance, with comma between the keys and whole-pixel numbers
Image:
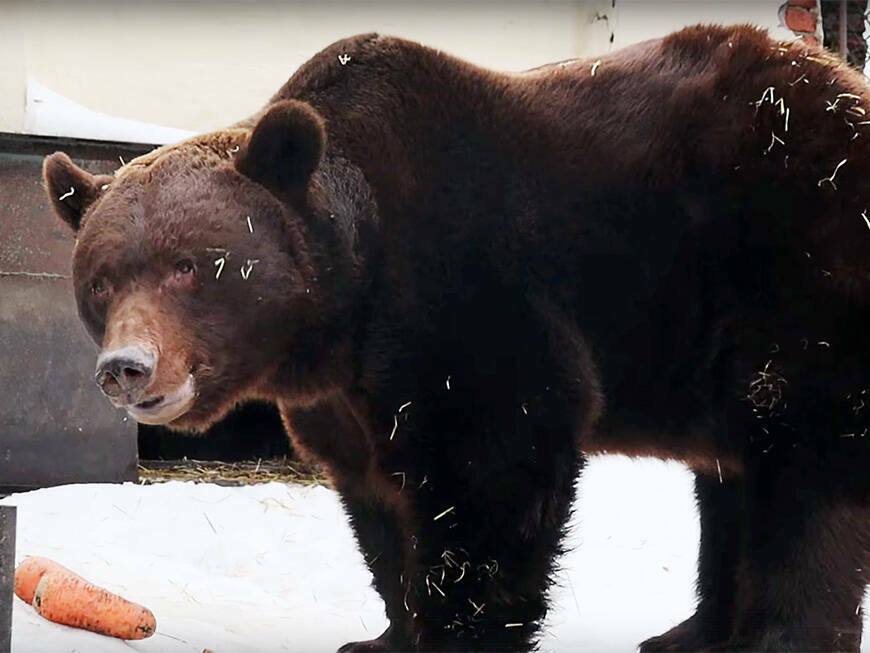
[
  {"x": 55, "y": 427},
  {"x": 7, "y": 574},
  {"x": 30, "y": 240}
]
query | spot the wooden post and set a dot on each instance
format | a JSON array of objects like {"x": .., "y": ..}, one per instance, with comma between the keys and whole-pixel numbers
[{"x": 7, "y": 574}]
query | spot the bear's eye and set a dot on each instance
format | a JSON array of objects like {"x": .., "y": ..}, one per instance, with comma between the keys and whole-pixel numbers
[
  {"x": 184, "y": 267},
  {"x": 99, "y": 288},
  {"x": 183, "y": 274}
]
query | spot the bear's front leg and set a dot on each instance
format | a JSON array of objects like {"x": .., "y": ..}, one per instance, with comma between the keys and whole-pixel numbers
[
  {"x": 330, "y": 433},
  {"x": 489, "y": 500},
  {"x": 479, "y": 434},
  {"x": 482, "y": 562},
  {"x": 720, "y": 508},
  {"x": 382, "y": 544}
]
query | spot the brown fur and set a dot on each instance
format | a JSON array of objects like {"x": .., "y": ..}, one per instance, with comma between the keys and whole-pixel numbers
[{"x": 464, "y": 276}]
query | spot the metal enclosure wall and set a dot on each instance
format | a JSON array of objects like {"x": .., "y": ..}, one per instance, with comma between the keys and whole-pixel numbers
[{"x": 55, "y": 427}]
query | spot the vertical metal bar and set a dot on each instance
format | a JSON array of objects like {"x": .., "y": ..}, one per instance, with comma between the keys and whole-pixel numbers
[
  {"x": 844, "y": 29},
  {"x": 7, "y": 573}
]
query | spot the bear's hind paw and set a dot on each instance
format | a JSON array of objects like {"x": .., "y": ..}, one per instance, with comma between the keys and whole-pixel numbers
[{"x": 691, "y": 635}]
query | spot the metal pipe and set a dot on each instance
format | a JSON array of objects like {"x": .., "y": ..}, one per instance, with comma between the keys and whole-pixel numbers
[{"x": 844, "y": 29}]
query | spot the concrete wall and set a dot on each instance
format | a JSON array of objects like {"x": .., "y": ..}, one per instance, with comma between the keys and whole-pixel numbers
[{"x": 198, "y": 65}]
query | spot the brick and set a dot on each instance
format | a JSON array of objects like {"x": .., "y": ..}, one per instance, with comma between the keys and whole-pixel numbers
[{"x": 800, "y": 20}]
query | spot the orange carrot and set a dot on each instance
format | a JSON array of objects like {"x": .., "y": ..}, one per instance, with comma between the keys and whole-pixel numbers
[
  {"x": 70, "y": 600},
  {"x": 30, "y": 572}
]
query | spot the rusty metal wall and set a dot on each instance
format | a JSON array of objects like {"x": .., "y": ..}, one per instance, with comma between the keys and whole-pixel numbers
[{"x": 55, "y": 427}]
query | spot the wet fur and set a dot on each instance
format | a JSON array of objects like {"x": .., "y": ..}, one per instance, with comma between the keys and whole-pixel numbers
[{"x": 537, "y": 263}]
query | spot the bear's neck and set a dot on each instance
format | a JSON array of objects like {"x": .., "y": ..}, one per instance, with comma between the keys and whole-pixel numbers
[{"x": 337, "y": 230}]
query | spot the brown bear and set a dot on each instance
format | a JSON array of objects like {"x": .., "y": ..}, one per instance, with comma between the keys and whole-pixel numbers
[{"x": 451, "y": 280}]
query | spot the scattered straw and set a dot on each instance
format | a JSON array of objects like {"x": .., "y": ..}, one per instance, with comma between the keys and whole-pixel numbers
[
  {"x": 774, "y": 139},
  {"x": 250, "y": 226},
  {"x": 279, "y": 470},
  {"x": 71, "y": 191},
  {"x": 247, "y": 267},
  {"x": 219, "y": 263},
  {"x": 769, "y": 91},
  {"x": 830, "y": 179},
  {"x": 443, "y": 513},
  {"x": 595, "y": 67},
  {"x": 395, "y": 426}
]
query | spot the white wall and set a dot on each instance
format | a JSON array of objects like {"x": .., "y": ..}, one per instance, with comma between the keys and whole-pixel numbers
[
  {"x": 636, "y": 20},
  {"x": 198, "y": 65}
]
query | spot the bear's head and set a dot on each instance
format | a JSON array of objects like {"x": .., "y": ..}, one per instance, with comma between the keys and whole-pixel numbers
[{"x": 191, "y": 268}]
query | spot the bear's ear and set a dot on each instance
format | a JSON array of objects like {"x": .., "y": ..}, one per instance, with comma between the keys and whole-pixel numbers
[
  {"x": 70, "y": 189},
  {"x": 284, "y": 148}
]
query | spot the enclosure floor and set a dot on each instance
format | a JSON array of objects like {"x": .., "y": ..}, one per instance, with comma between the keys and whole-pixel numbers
[{"x": 271, "y": 568}]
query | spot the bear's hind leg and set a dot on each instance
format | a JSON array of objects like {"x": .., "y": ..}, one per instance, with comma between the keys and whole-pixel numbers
[
  {"x": 802, "y": 582},
  {"x": 720, "y": 511}
]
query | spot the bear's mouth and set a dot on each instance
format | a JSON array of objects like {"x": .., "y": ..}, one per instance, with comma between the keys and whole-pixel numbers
[
  {"x": 165, "y": 408},
  {"x": 145, "y": 405}
]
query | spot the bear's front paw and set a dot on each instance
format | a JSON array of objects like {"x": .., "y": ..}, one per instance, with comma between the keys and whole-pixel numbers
[
  {"x": 368, "y": 646},
  {"x": 694, "y": 634},
  {"x": 381, "y": 644}
]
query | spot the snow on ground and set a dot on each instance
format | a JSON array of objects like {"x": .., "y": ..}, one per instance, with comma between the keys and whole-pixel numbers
[{"x": 274, "y": 567}]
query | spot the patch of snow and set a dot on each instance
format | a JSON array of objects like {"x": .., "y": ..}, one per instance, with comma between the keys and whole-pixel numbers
[
  {"x": 271, "y": 568},
  {"x": 48, "y": 113}
]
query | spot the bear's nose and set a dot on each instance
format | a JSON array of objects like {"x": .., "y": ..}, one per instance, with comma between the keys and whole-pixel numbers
[{"x": 125, "y": 371}]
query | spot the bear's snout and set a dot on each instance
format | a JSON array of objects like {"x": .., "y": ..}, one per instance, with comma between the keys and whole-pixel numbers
[{"x": 125, "y": 373}]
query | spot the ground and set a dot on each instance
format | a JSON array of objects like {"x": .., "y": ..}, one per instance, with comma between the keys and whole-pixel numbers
[{"x": 274, "y": 567}]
